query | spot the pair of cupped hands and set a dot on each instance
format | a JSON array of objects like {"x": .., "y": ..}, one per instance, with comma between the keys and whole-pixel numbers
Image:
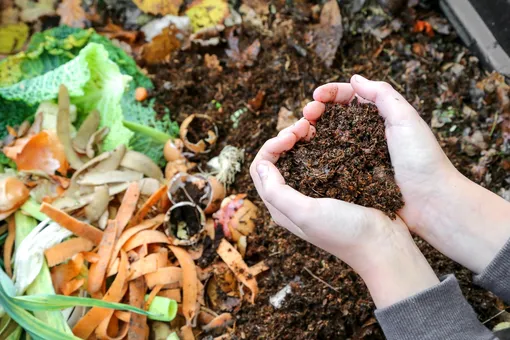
[{"x": 459, "y": 218}]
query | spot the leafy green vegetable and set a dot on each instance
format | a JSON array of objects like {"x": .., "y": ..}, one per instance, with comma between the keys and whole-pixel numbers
[
  {"x": 7, "y": 118},
  {"x": 64, "y": 55},
  {"x": 104, "y": 93},
  {"x": 93, "y": 82},
  {"x": 52, "y": 48},
  {"x": 74, "y": 74}
]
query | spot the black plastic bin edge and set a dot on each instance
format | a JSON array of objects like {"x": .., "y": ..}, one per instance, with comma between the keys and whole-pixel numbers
[{"x": 476, "y": 35}]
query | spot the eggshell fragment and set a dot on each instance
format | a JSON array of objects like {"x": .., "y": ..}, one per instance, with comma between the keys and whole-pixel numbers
[
  {"x": 217, "y": 195},
  {"x": 172, "y": 150},
  {"x": 185, "y": 224},
  {"x": 208, "y": 193},
  {"x": 203, "y": 145}
]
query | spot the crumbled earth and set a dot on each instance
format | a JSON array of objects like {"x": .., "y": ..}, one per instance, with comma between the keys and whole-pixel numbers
[
  {"x": 348, "y": 160},
  {"x": 437, "y": 75}
]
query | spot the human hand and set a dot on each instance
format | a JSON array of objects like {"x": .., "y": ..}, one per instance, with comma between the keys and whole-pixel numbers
[
  {"x": 380, "y": 250},
  {"x": 459, "y": 218}
]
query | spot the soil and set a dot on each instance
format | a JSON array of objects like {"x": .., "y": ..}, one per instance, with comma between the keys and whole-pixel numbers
[
  {"x": 189, "y": 192},
  {"x": 423, "y": 68},
  {"x": 185, "y": 214},
  {"x": 348, "y": 160},
  {"x": 198, "y": 129}
]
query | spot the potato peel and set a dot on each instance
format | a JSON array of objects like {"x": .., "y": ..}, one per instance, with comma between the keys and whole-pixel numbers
[{"x": 235, "y": 262}]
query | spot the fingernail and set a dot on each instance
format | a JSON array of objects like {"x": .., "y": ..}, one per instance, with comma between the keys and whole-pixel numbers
[
  {"x": 262, "y": 170},
  {"x": 360, "y": 79}
]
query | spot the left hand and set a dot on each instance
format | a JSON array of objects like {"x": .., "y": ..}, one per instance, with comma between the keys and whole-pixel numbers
[{"x": 382, "y": 251}]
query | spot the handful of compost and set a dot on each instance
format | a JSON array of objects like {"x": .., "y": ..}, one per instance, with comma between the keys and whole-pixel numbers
[{"x": 348, "y": 159}]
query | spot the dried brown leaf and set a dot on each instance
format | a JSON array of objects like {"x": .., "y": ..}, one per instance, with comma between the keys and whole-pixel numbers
[
  {"x": 285, "y": 118},
  {"x": 256, "y": 103},
  {"x": 160, "y": 48},
  {"x": 71, "y": 13},
  {"x": 211, "y": 62},
  {"x": 9, "y": 15},
  {"x": 113, "y": 31},
  {"x": 32, "y": 10},
  {"x": 240, "y": 58},
  {"x": 163, "y": 7},
  {"x": 325, "y": 37}
]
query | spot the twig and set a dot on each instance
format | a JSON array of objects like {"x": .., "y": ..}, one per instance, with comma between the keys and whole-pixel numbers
[
  {"x": 495, "y": 316},
  {"x": 494, "y": 124},
  {"x": 401, "y": 89},
  {"x": 321, "y": 280}
]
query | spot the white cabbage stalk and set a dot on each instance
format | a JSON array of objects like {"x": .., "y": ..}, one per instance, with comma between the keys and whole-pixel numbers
[{"x": 30, "y": 253}]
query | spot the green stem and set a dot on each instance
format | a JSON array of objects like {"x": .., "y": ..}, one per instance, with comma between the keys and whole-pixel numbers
[
  {"x": 32, "y": 208},
  {"x": 156, "y": 135},
  {"x": 165, "y": 308}
]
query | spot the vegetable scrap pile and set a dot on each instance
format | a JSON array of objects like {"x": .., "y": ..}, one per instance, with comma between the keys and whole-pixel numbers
[
  {"x": 348, "y": 159},
  {"x": 98, "y": 240}
]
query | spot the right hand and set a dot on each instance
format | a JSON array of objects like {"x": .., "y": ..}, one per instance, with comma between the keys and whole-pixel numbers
[
  {"x": 381, "y": 250},
  {"x": 459, "y": 218}
]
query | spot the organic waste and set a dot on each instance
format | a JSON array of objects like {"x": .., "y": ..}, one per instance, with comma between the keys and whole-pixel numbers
[
  {"x": 348, "y": 159},
  {"x": 251, "y": 66},
  {"x": 99, "y": 242}
]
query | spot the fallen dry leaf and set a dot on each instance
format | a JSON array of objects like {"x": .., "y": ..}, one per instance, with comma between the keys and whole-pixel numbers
[
  {"x": 423, "y": 26},
  {"x": 163, "y": 7},
  {"x": 13, "y": 37},
  {"x": 259, "y": 6},
  {"x": 71, "y": 13},
  {"x": 113, "y": 31},
  {"x": 207, "y": 13},
  {"x": 160, "y": 48},
  {"x": 285, "y": 118},
  {"x": 325, "y": 37},
  {"x": 9, "y": 15},
  {"x": 32, "y": 10},
  {"x": 242, "y": 58},
  {"x": 256, "y": 103},
  {"x": 6, "y": 4},
  {"x": 211, "y": 62}
]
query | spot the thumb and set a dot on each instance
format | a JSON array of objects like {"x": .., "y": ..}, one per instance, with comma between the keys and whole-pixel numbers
[
  {"x": 297, "y": 207},
  {"x": 269, "y": 174},
  {"x": 392, "y": 106}
]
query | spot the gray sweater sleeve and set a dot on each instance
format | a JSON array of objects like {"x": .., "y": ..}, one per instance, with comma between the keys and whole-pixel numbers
[
  {"x": 497, "y": 274},
  {"x": 440, "y": 312}
]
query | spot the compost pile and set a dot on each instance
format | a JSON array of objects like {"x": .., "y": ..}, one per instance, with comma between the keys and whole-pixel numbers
[
  {"x": 198, "y": 87},
  {"x": 348, "y": 159}
]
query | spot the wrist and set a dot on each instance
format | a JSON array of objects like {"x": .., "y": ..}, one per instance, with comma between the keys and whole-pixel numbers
[
  {"x": 396, "y": 270},
  {"x": 469, "y": 223}
]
